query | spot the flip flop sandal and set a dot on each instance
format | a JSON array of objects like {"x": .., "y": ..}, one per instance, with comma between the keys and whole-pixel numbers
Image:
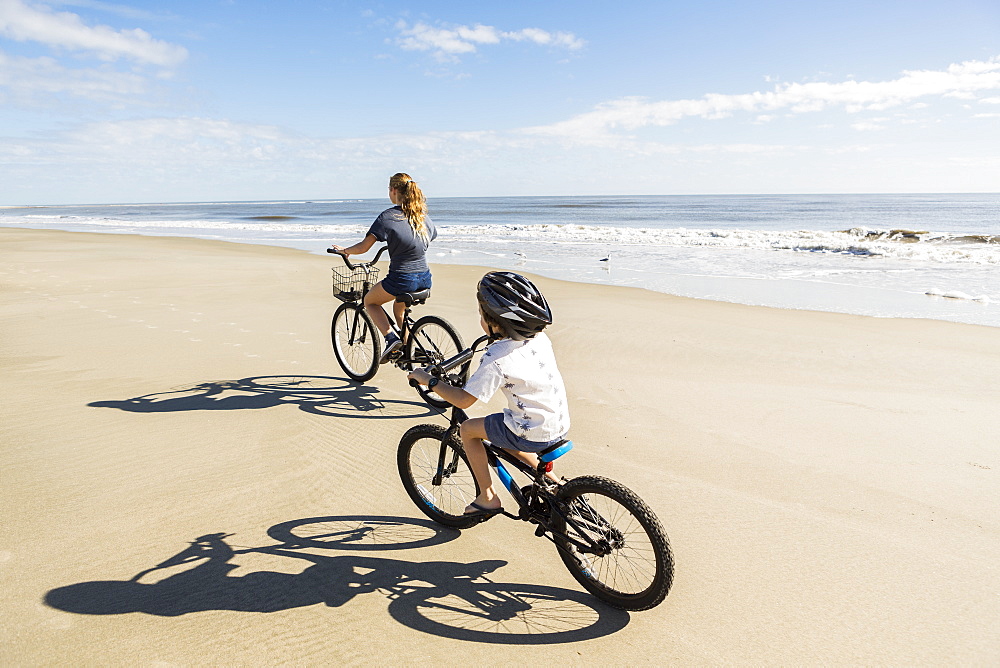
[{"x": 481, "y": 513}]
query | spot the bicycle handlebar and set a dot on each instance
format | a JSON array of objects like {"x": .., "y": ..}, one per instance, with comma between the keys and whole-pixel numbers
[
  {"x": 353, "y": 265},
  {"x": 443, "y": 367}
]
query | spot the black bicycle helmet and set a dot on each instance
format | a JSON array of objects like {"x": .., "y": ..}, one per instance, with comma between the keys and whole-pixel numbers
[{"x": 514, "y": 302}]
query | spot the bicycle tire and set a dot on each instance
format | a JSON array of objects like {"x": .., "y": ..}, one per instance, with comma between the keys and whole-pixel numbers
[
  {"x": 637, "y": 571},
  {"x": 359, "y": 354},
  {"x": 433, "y": 339},
  {"x": 417, "y": 459}
]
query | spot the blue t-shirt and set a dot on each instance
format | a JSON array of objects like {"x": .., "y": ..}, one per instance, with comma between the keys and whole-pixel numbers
[{"x": 407, "y": 251}]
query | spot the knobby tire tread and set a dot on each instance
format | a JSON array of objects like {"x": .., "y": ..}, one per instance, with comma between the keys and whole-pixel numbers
[{"x": 658, "y": 589}]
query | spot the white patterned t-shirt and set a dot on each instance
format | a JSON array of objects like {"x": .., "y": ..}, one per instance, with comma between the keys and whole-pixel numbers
[{"x": 526, "y": 372}]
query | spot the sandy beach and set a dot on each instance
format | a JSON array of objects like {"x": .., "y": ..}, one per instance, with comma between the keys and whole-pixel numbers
[{"x": 190, "y": 479}]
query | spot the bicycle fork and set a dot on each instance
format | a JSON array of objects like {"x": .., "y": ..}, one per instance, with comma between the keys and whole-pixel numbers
[{"x": 355, "y": 327}]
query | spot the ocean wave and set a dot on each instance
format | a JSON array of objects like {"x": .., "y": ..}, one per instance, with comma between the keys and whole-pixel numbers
[
  {"x": 912, "y": 236},
  {"x": 899, "y": 244}
]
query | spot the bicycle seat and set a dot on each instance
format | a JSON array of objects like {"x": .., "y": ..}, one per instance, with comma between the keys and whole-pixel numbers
[
  {"x": 555, "y": 451},
  {"x": 413, "y": 298}
]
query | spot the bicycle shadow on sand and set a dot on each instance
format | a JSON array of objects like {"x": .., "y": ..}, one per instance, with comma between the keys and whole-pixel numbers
[
  {"x": 321, "y": 395},
  {"x": 443, "y": 598}
]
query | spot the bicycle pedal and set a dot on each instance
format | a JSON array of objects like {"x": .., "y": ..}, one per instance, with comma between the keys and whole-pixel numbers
[{"x": 392, "y": 358}]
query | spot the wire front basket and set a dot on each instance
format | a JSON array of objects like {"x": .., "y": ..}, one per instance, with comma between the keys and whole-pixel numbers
[{"x": 349, "y": 285}]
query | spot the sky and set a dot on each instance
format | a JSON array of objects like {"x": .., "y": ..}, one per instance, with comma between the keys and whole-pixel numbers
[{"x": 175, "y": 101}]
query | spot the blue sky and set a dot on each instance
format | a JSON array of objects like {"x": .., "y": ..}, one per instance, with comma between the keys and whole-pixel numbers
[{"x": 202, "y": 101}]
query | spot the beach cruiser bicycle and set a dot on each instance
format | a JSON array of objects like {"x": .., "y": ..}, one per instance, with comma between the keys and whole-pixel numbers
[
  {"x": 609, "y": 539},
  {"x": 358, "y": 344}
]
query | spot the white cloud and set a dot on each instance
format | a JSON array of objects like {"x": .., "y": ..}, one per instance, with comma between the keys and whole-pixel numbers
[
  {"x": 187, "y": 159},
  {"x": 447, "y": 43},
  {"x": 867, "y": 126},
  {"x": 958, "y": 80},
  {"x": 24, "y": 23},
  {"x": 28, "y": 79},
  {"x": 561, "y": 39}
]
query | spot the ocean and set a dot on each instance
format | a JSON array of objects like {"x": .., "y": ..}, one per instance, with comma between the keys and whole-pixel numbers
[{"x": 890, "y": 256}]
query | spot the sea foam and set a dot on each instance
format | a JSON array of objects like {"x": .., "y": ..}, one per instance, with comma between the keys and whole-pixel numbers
[{"x": 957, "y": 294}]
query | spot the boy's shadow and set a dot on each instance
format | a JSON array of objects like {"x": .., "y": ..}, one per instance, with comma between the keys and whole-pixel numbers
[
  {"x": 313, "y": 394},
  {"x": 444, "y": 598}
]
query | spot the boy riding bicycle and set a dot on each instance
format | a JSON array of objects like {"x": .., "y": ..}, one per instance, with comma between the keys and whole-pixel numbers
[{"x": 520, "y": 362}]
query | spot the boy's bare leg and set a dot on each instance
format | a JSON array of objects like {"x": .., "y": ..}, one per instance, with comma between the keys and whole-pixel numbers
[
  {"x": 473, "y": 432},
  {"x": 531, "y": 459}
]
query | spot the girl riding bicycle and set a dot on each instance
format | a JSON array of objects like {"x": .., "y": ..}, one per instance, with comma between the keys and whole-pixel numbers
[
  {"x": 520, "y": 362},
  {"x": 408, "y": 231}
]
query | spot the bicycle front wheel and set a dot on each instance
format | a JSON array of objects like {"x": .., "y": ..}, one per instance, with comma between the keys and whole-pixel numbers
[
  {"x": 436, "y": 474},
  {"x": 355, "y": 342},
  {"x": 613, "y": 544},
  {"x": 434, "y": 340}
]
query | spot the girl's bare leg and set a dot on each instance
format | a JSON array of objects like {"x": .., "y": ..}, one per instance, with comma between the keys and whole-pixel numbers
[
  {"x": 373, "y": 305},
  {"x": 398, "y": 311}
]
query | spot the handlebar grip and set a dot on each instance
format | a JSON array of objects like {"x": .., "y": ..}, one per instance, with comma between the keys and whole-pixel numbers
[
  {"x": 343, "y": 256},
  {"x": 414, "y": 383}
]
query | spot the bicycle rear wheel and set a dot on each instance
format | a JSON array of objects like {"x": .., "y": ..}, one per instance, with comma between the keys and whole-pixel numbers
[
  {"x": 630, "y": 565},
  {"x": 355, "y": 342},
  {"x": 436, "y": 474},
  {"x": 434, "y": 340}
]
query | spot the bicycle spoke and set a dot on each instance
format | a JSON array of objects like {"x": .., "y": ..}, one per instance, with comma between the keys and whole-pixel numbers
[
  {"x": 434, "y": 340},
  {"x": 627, "y": 559},
  {"x": 419, "y": 459},
  {"x": 355, "y": 342}
]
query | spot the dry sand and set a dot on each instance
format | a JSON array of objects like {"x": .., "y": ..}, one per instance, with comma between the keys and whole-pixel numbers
[{"x": 174, "y": 422}]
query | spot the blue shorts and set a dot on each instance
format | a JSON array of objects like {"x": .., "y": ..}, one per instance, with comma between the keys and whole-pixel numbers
[
  {"x": 499, "y": 435},
  {"x": 396, "y": 283}
]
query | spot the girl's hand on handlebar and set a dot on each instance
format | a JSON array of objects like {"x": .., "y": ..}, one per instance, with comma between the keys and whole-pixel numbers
[
  {"x": 420, "y": 376},
  {"x": 336, "y": 249}
]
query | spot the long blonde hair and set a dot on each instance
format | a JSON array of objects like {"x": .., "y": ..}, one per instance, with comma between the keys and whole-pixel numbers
[{"x": 412, "y": 202}]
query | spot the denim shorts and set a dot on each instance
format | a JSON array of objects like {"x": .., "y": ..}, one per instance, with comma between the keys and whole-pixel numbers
[
  {"x": 396, "y": 282},
  {"x": 499, "y": 435}
]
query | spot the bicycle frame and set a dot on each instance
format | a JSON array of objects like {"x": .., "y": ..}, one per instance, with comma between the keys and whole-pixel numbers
[
  {"x": 407, "y": 320},
  {"x": 546, "y": 513}
]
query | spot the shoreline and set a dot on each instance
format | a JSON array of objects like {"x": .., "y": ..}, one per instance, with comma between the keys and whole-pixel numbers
[
  {"x": 828, "y": 481},
  {"x": 816, "y": 294}
]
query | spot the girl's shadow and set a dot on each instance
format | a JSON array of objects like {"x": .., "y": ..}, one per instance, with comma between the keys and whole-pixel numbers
[{"x": 313, "y": 394}]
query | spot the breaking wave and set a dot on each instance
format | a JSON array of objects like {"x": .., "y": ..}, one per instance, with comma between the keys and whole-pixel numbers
[{"x": 899, "y": 244}]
